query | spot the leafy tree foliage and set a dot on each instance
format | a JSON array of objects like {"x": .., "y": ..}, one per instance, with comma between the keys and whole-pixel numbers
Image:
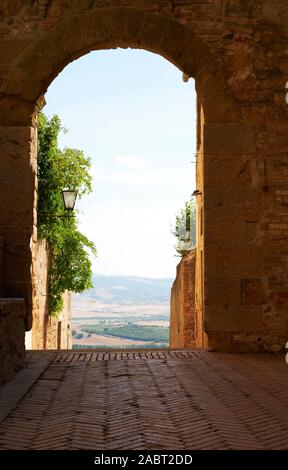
[
  {"x": 70, "y": 265},
  {"x": 185, "y": 228}
]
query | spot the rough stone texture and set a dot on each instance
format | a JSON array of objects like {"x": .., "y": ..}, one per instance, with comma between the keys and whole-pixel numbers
[
  {"x": 48, "y": 332},
  {"x": 237, "y": 53},
  {"x": 183, "y": 329},
  {"x": 201, "y": 339},
  {"x": 17, "y": 204},
  {"x": 12, "y": 333},
  {"x": 57, "y": 331}
]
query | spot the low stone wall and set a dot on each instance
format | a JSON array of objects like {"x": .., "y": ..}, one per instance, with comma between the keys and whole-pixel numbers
[
  {"x": 12, "y": 334},
  {"x": 47, "y": 332},
  {"x": 57, "y": 331},
  {"x": 182, "y": 307}
]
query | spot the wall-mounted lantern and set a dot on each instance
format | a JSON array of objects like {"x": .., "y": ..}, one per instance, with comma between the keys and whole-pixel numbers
[{"x": 69, "y": 199}]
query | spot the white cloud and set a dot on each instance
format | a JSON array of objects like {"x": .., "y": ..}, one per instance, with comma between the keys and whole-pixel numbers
[
  {"x": 130, "y": 161},
  {"x": 130, "y": 245},
  {"x": 168, "y": 175}
]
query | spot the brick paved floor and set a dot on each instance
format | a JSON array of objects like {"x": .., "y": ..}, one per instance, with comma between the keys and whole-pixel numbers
[{"x": 155, "y": 400}]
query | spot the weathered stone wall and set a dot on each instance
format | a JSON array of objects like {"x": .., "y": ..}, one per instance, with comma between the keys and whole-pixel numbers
[
  {"x": 237, "y": 52},
  {"x": 183, "y": 332},
  {"x": 40, "y": 295},
  {"x": 57, "y": 331},
  {"x": 12, "y": 334},
  {"x": 17, "y": 209},
  {"x": 201, "y": 339},
  {"x": 48, "y": 332}
]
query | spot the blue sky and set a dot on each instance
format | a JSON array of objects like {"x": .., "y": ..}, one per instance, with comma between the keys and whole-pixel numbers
[{"x": 132, "y": 114}]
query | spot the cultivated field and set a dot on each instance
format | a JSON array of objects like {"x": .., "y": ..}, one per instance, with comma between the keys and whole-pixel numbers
[{"x": 96, "y": 324}]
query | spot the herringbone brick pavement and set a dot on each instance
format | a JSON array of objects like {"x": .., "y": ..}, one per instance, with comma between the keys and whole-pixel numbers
[{"x": 146, "y": 400}]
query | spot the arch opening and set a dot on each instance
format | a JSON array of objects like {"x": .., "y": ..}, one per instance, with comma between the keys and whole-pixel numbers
[
  {"x": 40, "y": 62},
  {"x": 139, "y": 132}
]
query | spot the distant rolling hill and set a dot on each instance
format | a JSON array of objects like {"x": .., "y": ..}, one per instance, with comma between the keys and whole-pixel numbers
[{"x": 129, "y": 290}]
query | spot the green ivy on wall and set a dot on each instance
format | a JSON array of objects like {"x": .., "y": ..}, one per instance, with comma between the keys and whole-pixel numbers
[{"x": 70, "y": 266}]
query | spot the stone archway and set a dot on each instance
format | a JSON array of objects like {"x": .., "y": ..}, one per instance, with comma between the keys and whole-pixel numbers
[
  {"x": 40, "y": 62},
  {"x": 230, "y": 258}
]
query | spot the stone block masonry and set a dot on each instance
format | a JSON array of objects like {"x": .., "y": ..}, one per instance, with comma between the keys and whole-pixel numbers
[
  {"x": 12, "y": 334},
  {"x": 237, "y": 53},
  {"x": 182, "y": 308},
  {"x": 47, "y": 332}
]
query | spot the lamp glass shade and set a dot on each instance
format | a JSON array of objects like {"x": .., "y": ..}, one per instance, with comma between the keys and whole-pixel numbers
[{"x": 69, "y": 199}]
